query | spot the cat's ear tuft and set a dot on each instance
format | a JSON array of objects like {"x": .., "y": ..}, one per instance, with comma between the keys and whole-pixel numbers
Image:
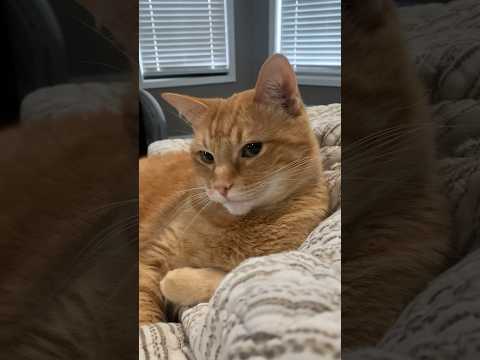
[
  {"x": 277, "y": 85},
  {"x": 189, "y": 107}
]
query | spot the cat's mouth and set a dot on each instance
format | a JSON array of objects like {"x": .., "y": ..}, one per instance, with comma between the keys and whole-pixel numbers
[
  {"x": 238, "y": 207},
  {"x": 236, "y": 200},
  {"x": 235, "y": 204}
]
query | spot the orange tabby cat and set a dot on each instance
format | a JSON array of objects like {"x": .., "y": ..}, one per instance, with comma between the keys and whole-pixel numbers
[
  {"x": 394, "y": 220},
  {"x": 251, "y": 185}
]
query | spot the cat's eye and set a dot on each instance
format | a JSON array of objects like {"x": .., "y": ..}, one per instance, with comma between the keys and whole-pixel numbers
[
  {"x": 206, "y": 157},
  {"x": 251, "y": 150}
]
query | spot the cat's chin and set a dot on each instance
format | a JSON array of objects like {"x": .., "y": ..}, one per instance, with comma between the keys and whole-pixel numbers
[{"x": 238, "y": 208}]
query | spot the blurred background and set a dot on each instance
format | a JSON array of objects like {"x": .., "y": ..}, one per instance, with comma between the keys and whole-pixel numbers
[
  {"x": 49, "y": 43},
  {"x": 69, "y": 181}
]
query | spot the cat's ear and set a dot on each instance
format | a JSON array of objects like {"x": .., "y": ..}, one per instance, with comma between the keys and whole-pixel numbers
[
  {"x": 191, "y": 108},
  {"x": 277, "y": 85}
]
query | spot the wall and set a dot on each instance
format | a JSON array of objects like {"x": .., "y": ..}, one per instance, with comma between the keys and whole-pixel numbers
[
  {"x": 104, "y": 60},
  {"x": 251, "y": 47}
]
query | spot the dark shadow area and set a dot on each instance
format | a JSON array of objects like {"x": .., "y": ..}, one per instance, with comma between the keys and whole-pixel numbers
[
  {"x": 69, "y": 182},
  {"x": 410, "y": 179}
]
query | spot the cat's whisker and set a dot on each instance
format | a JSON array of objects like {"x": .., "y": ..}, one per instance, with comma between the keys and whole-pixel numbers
[
  {"x": 112, "y": 205},
  {"x": 196, "y": 216},
  {"x": 255, "y": 187},
  {"x": 369, "y": 156},
  {"x": 116, "y": 231},
  {"x": 386, "y": 130},
  {"x": 188, "y": 202},
  {"x": 296, "y": 162},
  {"x": 399, "y": 130},
  {"x": 368, "y": 140},
  {"x": 118, "y": 246},
  {"x": 99, "y": 238},
  {"x": 191, "y": 189},
  {"x": 373, "y": 160},
  {"x": 381, "y": 136},
  {"x": 293, "y": 164},
  {"x": 380, "y": 142},
  {"x": 289, "y": 167}
]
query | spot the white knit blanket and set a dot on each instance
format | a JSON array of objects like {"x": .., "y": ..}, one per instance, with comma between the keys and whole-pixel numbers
[{"x": 283, "y": 306}]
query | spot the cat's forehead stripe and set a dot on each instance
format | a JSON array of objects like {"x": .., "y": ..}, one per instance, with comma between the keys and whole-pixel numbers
[
  {"x": 213, "y": 120},
  {"x": 237, "y": 133},
  {"x": 223, "y": 123}
]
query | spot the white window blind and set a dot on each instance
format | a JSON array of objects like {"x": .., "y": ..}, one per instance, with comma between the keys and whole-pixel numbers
[
  {"x": 308, "y": 32},
  {"x": 179, "y": 38}
]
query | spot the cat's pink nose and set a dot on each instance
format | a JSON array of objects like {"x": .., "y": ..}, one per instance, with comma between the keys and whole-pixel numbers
[{"x": 223, "y": 188}]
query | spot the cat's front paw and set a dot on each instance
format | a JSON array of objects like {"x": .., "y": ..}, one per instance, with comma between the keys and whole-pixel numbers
[
  {"x": 174, "y": 286},
  {"x": 189, "y": 286}
]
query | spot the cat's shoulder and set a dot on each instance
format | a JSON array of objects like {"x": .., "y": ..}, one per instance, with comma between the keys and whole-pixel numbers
[
  {"x": 178, "y": 160},
  {"x": 165, "y": 173},
  {"x": 161, "y": 179}
]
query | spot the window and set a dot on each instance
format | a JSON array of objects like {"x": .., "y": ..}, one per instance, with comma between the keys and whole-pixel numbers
[
  {"x": 186, "y": 42},
  {"x": 308, "y": 32}
]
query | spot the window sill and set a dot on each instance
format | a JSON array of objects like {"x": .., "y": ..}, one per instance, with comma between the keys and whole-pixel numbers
[
  {"x": 319, "y": 80},
  {"x": 187, "y": 81}
]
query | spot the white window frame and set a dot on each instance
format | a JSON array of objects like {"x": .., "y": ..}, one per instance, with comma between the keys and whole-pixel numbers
[
  {"x": 231, "y": 76},
  {"x": 330, "y": 78}
]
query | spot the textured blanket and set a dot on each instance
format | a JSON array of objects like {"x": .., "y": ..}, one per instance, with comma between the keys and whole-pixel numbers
[
  {"x": 283, "y": 306},
  {"x": 443, "y": 39}
]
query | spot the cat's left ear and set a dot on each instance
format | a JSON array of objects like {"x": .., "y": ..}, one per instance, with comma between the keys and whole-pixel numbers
[
  {"x": 191, "y": 108},
  {"x": 277, "y": 85}
]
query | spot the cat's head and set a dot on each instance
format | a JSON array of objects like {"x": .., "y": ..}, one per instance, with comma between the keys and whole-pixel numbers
[{"x": 256, "y": 147}]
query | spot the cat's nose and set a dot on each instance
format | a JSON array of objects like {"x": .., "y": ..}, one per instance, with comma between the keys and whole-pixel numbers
[{"x": 223, "y": 188}]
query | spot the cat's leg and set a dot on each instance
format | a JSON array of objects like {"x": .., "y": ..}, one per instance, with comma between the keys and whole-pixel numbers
[
  {"x": 189, "y": 286},
  {"x": 157, "y": 256},
  {"x": 151, "y": 304}
]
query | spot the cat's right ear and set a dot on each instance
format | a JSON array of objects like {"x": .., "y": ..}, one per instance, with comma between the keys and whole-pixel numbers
[
  {"x": 189, "y": 107},
  {"x": 277, "y": 85}
]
